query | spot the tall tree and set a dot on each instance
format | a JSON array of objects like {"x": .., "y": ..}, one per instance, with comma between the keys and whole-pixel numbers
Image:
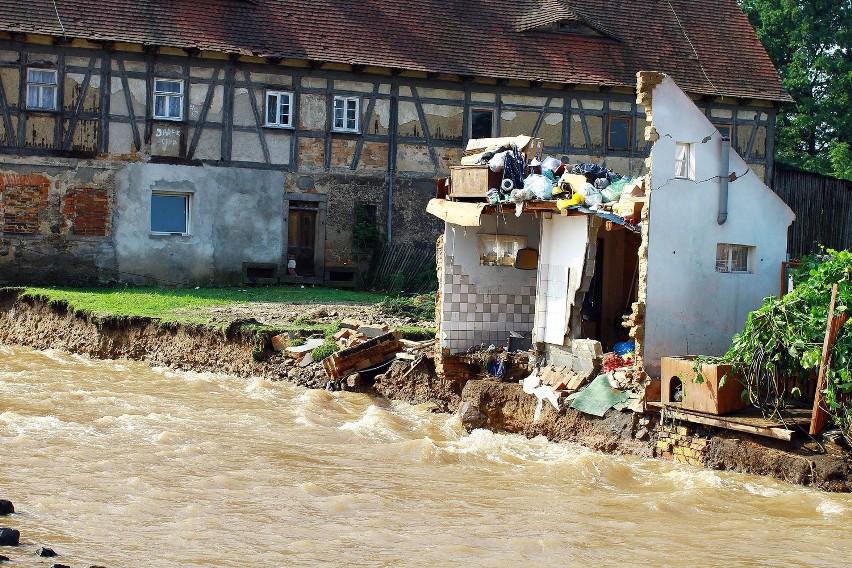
[{"x": 809, "y": 42}]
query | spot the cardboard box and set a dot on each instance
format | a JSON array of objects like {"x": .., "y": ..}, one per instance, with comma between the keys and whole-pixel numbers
[
  {"x": 702, "y": 397},
  {"x": 529, "y": 146},
  {"x": 472, "y": 181}
]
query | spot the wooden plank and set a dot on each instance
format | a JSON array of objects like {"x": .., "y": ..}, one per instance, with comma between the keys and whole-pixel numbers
[
  {"x": 720, "y": 422},
  {"x": 820, "y": 415}
]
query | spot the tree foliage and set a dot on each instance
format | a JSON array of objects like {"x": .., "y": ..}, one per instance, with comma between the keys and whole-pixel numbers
[
  {"x": 808, "y": 40},
  {"x": 785, "y": 336}
]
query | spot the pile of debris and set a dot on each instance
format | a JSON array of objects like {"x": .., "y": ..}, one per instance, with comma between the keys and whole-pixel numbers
[
  {"x": 513, "y": 171},
  {"x": 593, "y": 383}
]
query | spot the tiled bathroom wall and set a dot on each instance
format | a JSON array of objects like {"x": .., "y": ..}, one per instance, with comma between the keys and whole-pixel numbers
[{"x": 471, "y": 318}]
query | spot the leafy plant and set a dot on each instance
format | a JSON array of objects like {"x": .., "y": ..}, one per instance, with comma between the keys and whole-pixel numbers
[
  {"x": 323, "y": 351},
  {"x": 365, "y": 234},
  {"x": 784, "y": 338},
  {"x": 420, "y": 307}
]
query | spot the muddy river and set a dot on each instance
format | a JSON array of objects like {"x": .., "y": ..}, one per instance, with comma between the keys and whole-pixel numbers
[{"x": 117, "y": 464}]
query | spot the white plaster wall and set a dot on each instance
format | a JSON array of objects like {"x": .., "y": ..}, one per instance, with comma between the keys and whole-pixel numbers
[
  {"x": 236, "y": 216},
  {"x": 482, "y": 304},
  {"x": 691, "y": 308}
]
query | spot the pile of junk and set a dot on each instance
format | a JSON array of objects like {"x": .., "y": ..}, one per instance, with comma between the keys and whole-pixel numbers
[{"x": 514, "y": 171}]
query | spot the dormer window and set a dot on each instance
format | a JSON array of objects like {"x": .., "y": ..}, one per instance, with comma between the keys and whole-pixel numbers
[{"x": 574, "y": 27}]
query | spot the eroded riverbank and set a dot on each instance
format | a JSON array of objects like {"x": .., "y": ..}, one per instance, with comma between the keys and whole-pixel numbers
[{"x": 482, "y": 404}]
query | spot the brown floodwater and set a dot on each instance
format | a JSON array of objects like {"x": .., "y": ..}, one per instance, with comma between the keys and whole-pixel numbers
[{"x": 118, "y": 464}]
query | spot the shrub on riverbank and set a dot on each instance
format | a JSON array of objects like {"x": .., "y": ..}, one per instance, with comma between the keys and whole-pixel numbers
[{"x": 784, "y": 338}]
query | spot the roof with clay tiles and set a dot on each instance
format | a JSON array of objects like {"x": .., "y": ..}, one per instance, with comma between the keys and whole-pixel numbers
[{"x": 707, "y": 47}]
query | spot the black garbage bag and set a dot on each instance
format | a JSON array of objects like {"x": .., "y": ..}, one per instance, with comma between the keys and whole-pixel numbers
[{"x": 591, "y": 171}]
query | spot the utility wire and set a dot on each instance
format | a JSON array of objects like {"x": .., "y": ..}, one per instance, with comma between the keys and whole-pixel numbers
[
  {"x": 680, "y": 25},
  {"x": 58, "y": 19}
]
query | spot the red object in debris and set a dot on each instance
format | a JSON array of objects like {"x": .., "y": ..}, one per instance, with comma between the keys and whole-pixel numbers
[{"x": 611, "y": 361}]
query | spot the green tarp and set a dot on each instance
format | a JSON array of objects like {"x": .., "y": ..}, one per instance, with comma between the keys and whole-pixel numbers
[{"x": 599, "y": 397}]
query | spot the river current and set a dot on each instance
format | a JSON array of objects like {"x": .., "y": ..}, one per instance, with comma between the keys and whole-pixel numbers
[{"x": 119, "y": 464}]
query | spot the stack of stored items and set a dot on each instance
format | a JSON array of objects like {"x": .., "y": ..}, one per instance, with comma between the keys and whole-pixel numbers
[{"x": 514, "y": 170}]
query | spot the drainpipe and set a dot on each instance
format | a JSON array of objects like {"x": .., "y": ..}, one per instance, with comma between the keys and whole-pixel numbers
[
  {"x": 394, "y": 118},
  {"x": 723, "y": 180}
]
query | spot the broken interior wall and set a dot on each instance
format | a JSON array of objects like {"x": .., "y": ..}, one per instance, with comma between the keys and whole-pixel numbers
[
  {"x": 691, "y": 307},
  {"x": 483, "y": 304},
  {"x": 563, "y": 252}
]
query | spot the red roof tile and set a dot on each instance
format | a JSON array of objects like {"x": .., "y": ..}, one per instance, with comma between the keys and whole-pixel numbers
[{"x": 722, "y": 54}]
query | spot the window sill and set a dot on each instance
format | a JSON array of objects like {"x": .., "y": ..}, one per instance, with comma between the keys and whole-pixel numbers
[
  {"x": 168, "y": 235},
  {"x": 168, "y": 119},
  {"x": 279, "y": 126},
  {"x": 354, "y": 132}
]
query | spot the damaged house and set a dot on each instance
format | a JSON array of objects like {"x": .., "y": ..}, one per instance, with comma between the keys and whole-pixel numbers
[
  {"x": 187, "y": 142},
  {"x": 699, "y": 245}
]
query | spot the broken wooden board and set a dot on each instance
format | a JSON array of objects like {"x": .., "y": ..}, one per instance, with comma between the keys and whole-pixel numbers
[
  {"x": 362, "y": 356},
  {"x": 743, "y": 422},
  {"x": 299, "y": 350}
]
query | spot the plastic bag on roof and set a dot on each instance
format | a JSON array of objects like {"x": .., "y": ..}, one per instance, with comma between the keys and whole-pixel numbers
[
  {"x": 591, "y": 195},
  {"x": 540, "y": 185},
  {"x": 495, "y": 164},
  {"x": 590, "y": 170}
]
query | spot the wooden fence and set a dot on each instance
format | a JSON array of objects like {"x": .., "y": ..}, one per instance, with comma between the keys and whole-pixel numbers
[
  {"x": 823, "y": 208},
  {"x": 402, "y": 268}
]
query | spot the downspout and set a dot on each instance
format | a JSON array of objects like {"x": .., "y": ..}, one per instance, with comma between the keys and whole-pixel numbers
[
  {"x": 394, "y": 118},
  {"x": 724, "y": 174}
]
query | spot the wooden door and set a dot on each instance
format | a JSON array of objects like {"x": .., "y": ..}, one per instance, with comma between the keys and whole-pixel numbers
[{"x": 301, "y": 240}]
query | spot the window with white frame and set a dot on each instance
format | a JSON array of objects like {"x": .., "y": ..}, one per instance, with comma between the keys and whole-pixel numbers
[
  {"x": 734, "y": 259},
  {"x": 347, "y": 114},
  {"x": 170, "y": 213},
  {"x": 41, "y": 89},
  {"x": 279, "y": 109},
  {"x": 168, "y": 99},
  {"x": 684, "y": 160}
]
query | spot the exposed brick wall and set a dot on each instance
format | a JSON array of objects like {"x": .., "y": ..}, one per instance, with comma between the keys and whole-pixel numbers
[
  {"x": 679, "y": 443},
  {"x": 86, "y": 211},
  {"x": 23, "y": 202}
]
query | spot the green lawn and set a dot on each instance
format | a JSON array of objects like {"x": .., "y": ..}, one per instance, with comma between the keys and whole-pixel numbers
[{"x": 176, "y": 304}]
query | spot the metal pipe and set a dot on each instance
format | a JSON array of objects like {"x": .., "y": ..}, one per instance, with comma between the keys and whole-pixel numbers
[{"x": 724, "y": 174}]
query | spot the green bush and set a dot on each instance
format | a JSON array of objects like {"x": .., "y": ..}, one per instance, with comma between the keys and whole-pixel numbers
[
  {"x": 784, "y": 338},
  {"x": 420, "y": 307}
]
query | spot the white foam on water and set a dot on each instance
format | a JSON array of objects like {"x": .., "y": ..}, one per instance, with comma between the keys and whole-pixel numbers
[
  {"x": 60, "y": 357},
  {"x": 515, "y": 449},
  {"x": 762, "y": 490},
  {"x": 376, "y": 423},
  {"x": 260, "y": 389},
  {"x": 687, "y": 479},
  {"x": 831, "y": 508},
  {"x": 50, "y": 425},
  {"x": 314, "y": 490}
]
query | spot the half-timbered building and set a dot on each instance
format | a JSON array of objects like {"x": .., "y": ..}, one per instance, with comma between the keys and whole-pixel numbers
[{"x": 206, "y": 142}]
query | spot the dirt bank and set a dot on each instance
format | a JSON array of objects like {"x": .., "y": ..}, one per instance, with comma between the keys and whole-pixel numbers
[{"x": 240, "y": 350}]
